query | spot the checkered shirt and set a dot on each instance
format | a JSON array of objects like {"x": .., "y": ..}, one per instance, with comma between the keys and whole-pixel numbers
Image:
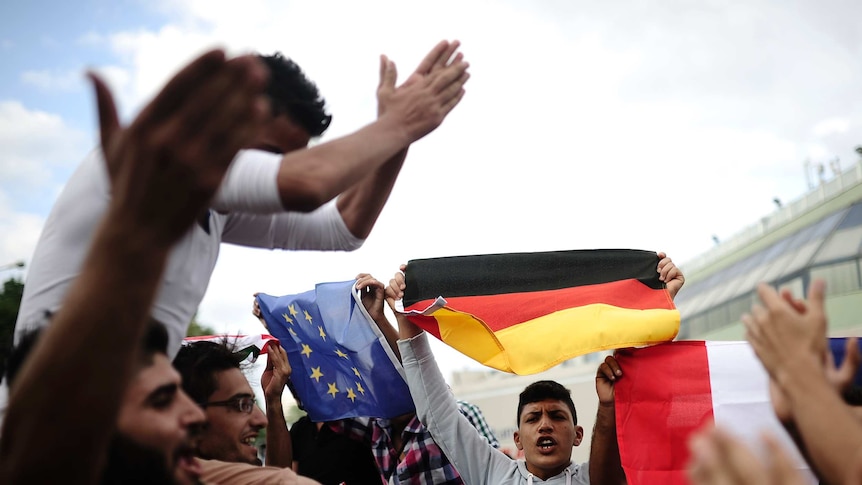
[{"x": 421, "y": 461}]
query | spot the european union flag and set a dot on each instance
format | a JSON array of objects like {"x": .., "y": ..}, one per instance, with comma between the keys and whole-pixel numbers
[{"x": 342, "y": 365}]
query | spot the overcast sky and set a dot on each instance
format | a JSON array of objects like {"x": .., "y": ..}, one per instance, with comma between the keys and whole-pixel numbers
[{"x": 630, "y": 124}]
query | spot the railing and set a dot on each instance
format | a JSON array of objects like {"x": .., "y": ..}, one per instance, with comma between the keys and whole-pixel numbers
[{"x": 827, "y": 190}]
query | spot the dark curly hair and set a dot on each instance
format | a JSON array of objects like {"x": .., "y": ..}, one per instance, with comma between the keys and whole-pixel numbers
[
  {"x": 198, "y": 363},
  {"x": 294, "y": 95}
]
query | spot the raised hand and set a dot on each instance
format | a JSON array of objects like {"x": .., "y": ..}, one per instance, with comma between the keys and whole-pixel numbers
[
  {"x": 277, "y": 372},
  {"x": 166, "y": 166},
  {"x": 781, "y": 335},
  {"x": 372, "y": 295},
  {"x": 670, "y": 274},
  {"x": 606, "y": 376},
  {"x": 428, "y": 95}
]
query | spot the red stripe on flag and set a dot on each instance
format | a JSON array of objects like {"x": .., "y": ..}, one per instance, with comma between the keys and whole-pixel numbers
[
  {"x": 427, "y": 323},
  {"x": 504, "y": 310},
  {"x": 663, "y": 397}
]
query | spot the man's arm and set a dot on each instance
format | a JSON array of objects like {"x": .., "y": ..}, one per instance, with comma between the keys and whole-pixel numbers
[
  {"x": 360, "y": 206},
  {"x": 279, "y": 446},
  {"x": 468, "y": 451},
  {"x": 605, "y": 466},
  {"x": 163, "y": 174},
  {"x": 309, "y": 178}
]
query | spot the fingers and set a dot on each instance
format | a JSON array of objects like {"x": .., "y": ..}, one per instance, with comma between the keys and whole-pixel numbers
[
  {"x": 782, "y": 469},
  {"x": 718, "y": 459},
  {"x": 365, "y": 280},
  {"x": 443, "y": 60},
  {"x": 109, "y": 122},
  {"x": 452, "y": 74},
  {"x": 432, "y": 57},
  {"x": 847, "y": 371},
  {"x": 388, "y": 74},
  {"x": 610, "y": 369},
  {"x": 175, "y": 91},
  {"x": 395, "y": 289},
  {"x": 239, "y": 90}
]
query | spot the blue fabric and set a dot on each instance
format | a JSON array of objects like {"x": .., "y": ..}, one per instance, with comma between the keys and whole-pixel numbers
[
  {"x": 327, "y": 334},
  {"x": 837, "y": 345}
]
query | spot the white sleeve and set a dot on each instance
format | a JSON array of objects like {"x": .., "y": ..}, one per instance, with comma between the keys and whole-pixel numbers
[
  {"x": 322, "y": 229},
  {"x": 468, "y": 451},
  {"x": 251, "y": 184}
]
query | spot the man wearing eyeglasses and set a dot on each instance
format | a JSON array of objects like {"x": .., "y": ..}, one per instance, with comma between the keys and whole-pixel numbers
[{"x": 213, "y": 377}]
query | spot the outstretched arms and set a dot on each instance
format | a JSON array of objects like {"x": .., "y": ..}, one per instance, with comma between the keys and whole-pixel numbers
[{"x": 309, "y": 178}]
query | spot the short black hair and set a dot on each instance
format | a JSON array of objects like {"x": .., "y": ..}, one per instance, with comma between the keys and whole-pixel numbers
[
  {"x": 541, "y": 390},
  {"x": 198, "y": 362},
  {"x": 293, "y": 94}
]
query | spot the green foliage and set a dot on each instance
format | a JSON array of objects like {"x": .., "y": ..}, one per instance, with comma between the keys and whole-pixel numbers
[
  {"x": 197, "y": 329},
  {"x": 10, "y": 300}
]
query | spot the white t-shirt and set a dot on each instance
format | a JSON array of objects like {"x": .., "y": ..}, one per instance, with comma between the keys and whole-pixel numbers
[{"x": 246, "y": 211}]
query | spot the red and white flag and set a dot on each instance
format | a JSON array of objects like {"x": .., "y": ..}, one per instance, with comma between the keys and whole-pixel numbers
[
  {"x": 250, "y": 347},
  {"x": 671, "y": 390}
]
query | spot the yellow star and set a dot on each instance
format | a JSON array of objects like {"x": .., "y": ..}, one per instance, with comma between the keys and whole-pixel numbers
[
  {"x": 316, "y": 374},
  {"x": 351, "y": 395},
  {"x": 307, "y": 316},
  {"x": 332, "y": 390},
  {"x": 292, "y": 332},
  {"x": 339, "y": 353},
  {"x": 287, "y": 318},
  {"x": 306, "y": 350},
  {"x": 292, "y": 310},
  {"x": 356, "y": 371},
  {"x": 359, "y": 388},
  {"x": 322, "y": 333}
]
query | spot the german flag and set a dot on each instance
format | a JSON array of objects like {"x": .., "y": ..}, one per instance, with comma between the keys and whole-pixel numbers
[{"x": 527, "y": 312}]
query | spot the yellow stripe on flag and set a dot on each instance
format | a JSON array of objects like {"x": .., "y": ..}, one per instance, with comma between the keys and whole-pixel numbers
[{"x": 541, "y": 343}]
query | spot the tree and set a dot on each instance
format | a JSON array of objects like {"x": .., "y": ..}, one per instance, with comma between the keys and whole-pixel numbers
[
  {"x": 10, "y": 301},
  {"x": 197, "y": 329}
]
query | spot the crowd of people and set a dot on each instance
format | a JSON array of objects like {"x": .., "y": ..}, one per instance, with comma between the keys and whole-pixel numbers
[{"x": 100, "y": 389}]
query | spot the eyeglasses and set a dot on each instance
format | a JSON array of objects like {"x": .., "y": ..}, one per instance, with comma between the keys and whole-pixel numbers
[{"x": 243, "y": 404}]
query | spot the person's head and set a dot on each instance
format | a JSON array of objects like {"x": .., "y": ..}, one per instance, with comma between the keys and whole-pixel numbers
[
  {"x": 213, "y": 377},
  {"x": 298, "y": 111},
  {"x": 155, "y": 421},
  {"x": 547, "y": 428}
]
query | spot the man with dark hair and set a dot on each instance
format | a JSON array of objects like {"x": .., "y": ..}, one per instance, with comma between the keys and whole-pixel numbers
[
  {"x": 541, "y": 390},
  {"x": 212, "y": 376},
  {"x": 294, "y": 95},
  {"x": 276, "y": 194},
  {"x": 546, "y": 418}
]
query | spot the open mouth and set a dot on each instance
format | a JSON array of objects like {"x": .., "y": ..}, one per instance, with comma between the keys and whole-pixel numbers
[
  {"x": 250, "y": 441},
  {"x": 546, "y": 444},
  {"x": 186, "y": 462}
]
